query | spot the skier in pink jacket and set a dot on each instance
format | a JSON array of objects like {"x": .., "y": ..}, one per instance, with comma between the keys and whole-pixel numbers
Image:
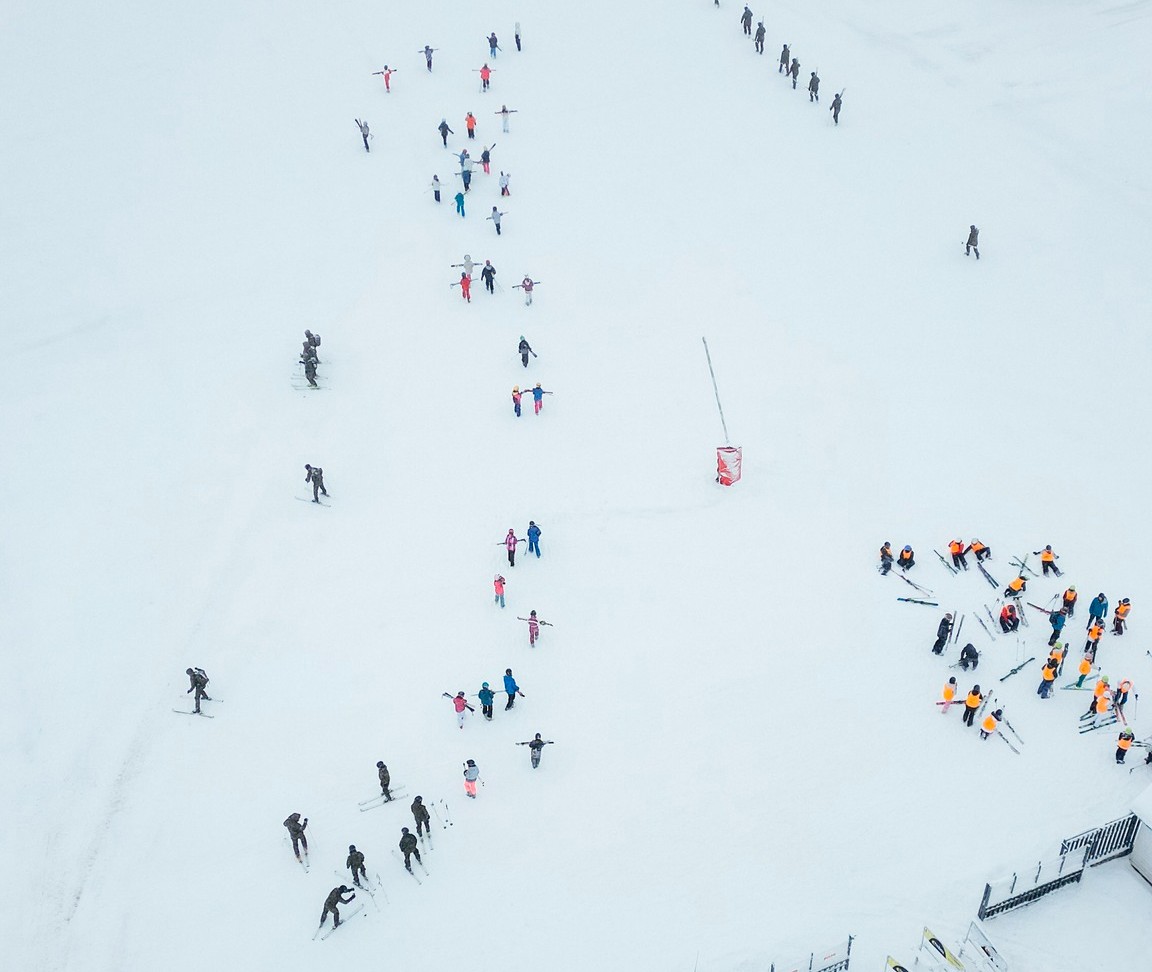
[
  {"x": 498, "y": 586},
  {"x": 510, "y": 543}
]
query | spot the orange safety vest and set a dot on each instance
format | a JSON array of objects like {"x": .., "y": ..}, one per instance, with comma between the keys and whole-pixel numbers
[
  {"x": 1095, "y": 632},
  {"x": 1102, "y": 704},
  {"x": 1122, "y": 610},
  {"x": 906, "y": 554},
  {"x": 1017, "y": 584},
  {"x": 989, "y": 724},
  {"x": 1085, "y": 666},
  {"x": 1070, "y": 597},
  {"x": 973, "y": 701},
  {"x": 1049, "y": 673},
  {"x": 886, "y": 551},
  {"x": 956, "y": 547},
  {"x": 1100, "y": 689},
  {"x": 977, "y": 546},
  {"x": 1047, "y": 556},
  {"x": 1124, "y": 741},
  {"x": 949, "y": 692}
]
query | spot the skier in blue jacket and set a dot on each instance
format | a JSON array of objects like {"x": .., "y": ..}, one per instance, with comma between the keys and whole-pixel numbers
[
  {"x": 1097, "y": 610},
  {"x": 1057, "y": 620},
  {"x": 533, "y": 537},
  {"x": 511, "y": 688},
  {"x": 486, "y": 697}
]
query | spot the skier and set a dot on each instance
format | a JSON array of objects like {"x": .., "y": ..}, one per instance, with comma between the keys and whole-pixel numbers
[
  {"x": 526, "y": 285},
  {"x": 355, "y": 864},
  {"x": 364, "y": 133},
  {"x": 534, "y": 535},
  {"x": 1009, "y": 619},
  {"x": 1084, "y": 668},
  {"x": 795, "y": 72},
  {"x": 907, "y": 559},
  {"x": 785, "y": 57},
  {"x": 198, "y": 683},
  {"x": 436, "y": 187},
  {"x": 969, "y": 657},
  {"x": 471, "y": 775},
  {"x": 470, "y": 125},
  {"x": 759, "y": 40},
  {"x": 408, "y": 848},
  {"x": 538, "y": 394},
  {"x": 387, "y": 73},
  {"x": 1123, "y": 744},
  {"x": 296, "y": 829},
  {"x": 504, "y": 177},
  {"x": 971, "y": 704},
  {"x": 525, "y": 349},
  {"x": 1099, "y": 691},
  {"x": 445, "y": 131},
  {"x": 493, "y": 47},
  {"x": 537, "y": 744},
  {"x": 1120, "y": 616},
  {"x": 487, "y": 696},
  {"x": 332, "y": 902},
  {"x": 746, "y": 20},
  {"x": 1057, "y": 619},
  {"x": 957, "y": 549},
  {"x": 460, "y": 204},
  {"x": 486, "y": 158},
  {"x": 835, "y": 109},
  {"x": 1058, "y": 653},
  {"x": 504, "y": 112},
  {"x": 1120, "y": 695},
  {"x": 1098, "y": 609},
  {"x": 885, "y": 557},
  {"x": 517, "y": 35},
  {"x": 814, "y": 88},
  {"x": 466, "y": 174},
  {"x": 385, "y": 780},
  {"x": 981, "y": 550},
  {"x": 315, "y": 476},
  {"x": 498, "y": 587},
  {"x": 310, "y": 371},
  {"x": 516, "y": 396},
  {"x": 485, "y": 75},
  {"x": 1094, "y": 633},
  {"x": 1099, "y": 709},
  {"x": 948, "y": 695},
  {"x": 991, "y": 723},
  {"x": 1016, "y": 587},
  {"x": 1069, "y": 601},
  {"x": 511, "y": 688},
  {"x": 495, "y": 217},
  {"x": 462, "y": 708},
  {"x": 313, "y": 341},
  {"x": 511, "y": 540},
  {"x": 421, "y": 816},
  {"x": 943, "y": 630},
  {"x": 1048, "y": 561},
  {"x": 533, "y": 628},
  {"x": 465, "y": 283},
  {"x": 1047, "y": 677},
  {"x": 428, "y": 56},
  {"x": 973, "y": 240}
]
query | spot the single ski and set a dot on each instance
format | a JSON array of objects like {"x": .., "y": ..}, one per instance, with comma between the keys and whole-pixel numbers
[
  {"x": 943, "y": 561},
  {"x": 1023, "y": 565},
  {"x": 922, "y": 590},
  {"x": 1008, "y": 744},
  {"x": 305, "y": 499},
  {"x": 955, "y": 636},
  {"x": 1098, "y": 725},
  {"x": 1013, "y": 731},
  {"x": 1042, "y": 610},
  {"x": 985, "y": 627},
  {"x": 380, "y": 801},
  {"x": 1073, "y": 687},
  {"x": 916, "y": 600},
  {"x": 988, "y": 577},
  {"x": 1017, "y": 668},
  {"x": 186, "y": 712},
  {"x": 344, "y": 921}
]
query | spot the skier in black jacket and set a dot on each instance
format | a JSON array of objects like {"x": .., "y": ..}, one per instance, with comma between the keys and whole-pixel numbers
[
  {"x": 385, "y": 779},
  {"x": 973, "y": 240},
  {"x": 316, "y": 478},
  {"x": 943, "y": 630},
  {"x": 969, "y": 657},
  {"x": 296, "y": 829},
  {"x": 746, "y": 20},
  {"x": 525, "y": 349},
  {"x": 355, "y": 864},
  {"x": 199, "y": 682},
  {"x": 333, "y": 901},
  {"x": 488, "y": 275},
  {"x": 408, "y": 848}
]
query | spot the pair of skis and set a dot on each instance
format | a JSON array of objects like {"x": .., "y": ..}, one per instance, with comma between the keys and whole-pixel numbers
[{"x": 379, "y": 801}]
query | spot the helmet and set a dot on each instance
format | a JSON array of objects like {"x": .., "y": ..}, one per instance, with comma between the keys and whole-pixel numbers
[
  {"x": 403, "y": 830},
  {"x": 908, "y": 547},
  {"x": 471, "y": 762},
  {"x": 532, "y": 614},
  {"x": 537, "y": 384},
  {"x": 306, "y": 466},
  {"x": 460, "y": 693},
  {"x": 1048, "y": 547},
  {"x": 485, "y": 685},
  {"x": 419, "y": 799},
  {"x": 188, "y": 671},
  {"x": 537, "y": 735},
  {"x": 1104, "y": 679},
  {"x": 515, "y": 388},
  {"x": 1072, "y": 587},
  {"x": 351, "y": 848},
  {"x": 379, "y": 764}
]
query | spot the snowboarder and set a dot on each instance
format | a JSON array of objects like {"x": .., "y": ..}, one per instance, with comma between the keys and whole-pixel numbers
[
  {"x": 971, "y": 704},
  {"x": 835, "y": 109},
  {"x": 1016, "y": 587},
  {"x": 526, "y": 285},
  {"x": 333, "y": 901},
  {"x": 1098, "y": 609},
  {"x": 198, "y": 683},
  {"x": 470, "y": 125},
  {"x": 537, "y": 744},
  {"x": 385, "y": 780},
  {"x": 746, "y": 20},
  {"x": 759, "y": 40},
  {"x": 1048, "y": 561},
  {"x": 982, "y": 551},
  {"x": 315, "y": 476},
  {"x": 957, "y": 549},
  {"x": 364, "y": 133},
  {"x": 296, "y": 829},
  {"x": 460, "y": 703},
  {"x": 421, "y": 816},
  {"x": 525, "y": 349},
  {"x": 504, "y": 112},
  {"x": 907, "y": 559},
  {"x": 471, "y": 775},
  {"x": 516, "y": 396},
  {"x": 504, "y": 177},
  {"x": 517, "y": 35},
  {"x": 486, "y": 698},
  {"x": 1047, "y": 677},
  {"x": 969, "y": 657},
  {"x": 991, "y": 723},
  {"x": 498, "y": 587},
  {"x": 538, "y": 394},
  {"x": 1009, "y": 619},
  {"x": 943, "y": 630},
  {"x": 493, "y": 47},
  {"x": 511, "y": 540},
  {"x": 445, "y": 131},
  {"x": 1120, "y": 616},
  {"x": 427, "y": 52},
  {"x": 511, "y": 688},
  {"x": 795, "y": 72},
  {"x": 973, "y": 239},
  {"x": 408, "y": 848},
  {"x": 488, "y": 275},
  {"x": 460, "y": 204},
  {"x": 495, "y": 217},
  {"x": 533, "y": 535},
  {"x": 785, "y": 57},
  {"x": 814, "y": 87},
  {"x": 387, "y": 74},
  {"x": 485, "y": 75},
  {"x": 885, "y": 557},
  {"x": 1123, "y": 744},
  {"x": 948, "y": 696},
  {"x": 355, "y": 864}
]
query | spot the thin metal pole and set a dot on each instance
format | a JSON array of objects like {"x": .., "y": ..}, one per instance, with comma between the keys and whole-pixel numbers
[{"x": 719, "y": 407}]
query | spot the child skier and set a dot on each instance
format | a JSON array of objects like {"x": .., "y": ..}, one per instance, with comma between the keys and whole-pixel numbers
[
  {"x": 471, "y": 775},
  {"x": 460, "y": 703},
  {"x": 510, "y": 542},
  {"x": 498, "y": 586},
  {"x": 516, "y": 396},
  {"x": 538, "y": 744},
  {"x": 525, "y": 349},
  {"x": 538, "y": 394},
  {"x": 486, "y": 698},
  {"x": 533, "y": 538}
]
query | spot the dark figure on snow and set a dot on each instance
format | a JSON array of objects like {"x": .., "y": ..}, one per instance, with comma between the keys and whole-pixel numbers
[
  {"x": 537, "y": 744},
  {"x": 971, "y": 704},
  {"x": 313, "y": 341},
  {"x": 759, "y": 39},
  {"x": 969, "y": 657},
  {"x": 795, "y": 72},
  {"x": 420, "y": 814},
  {"x": 488, "y": 275},
  {"x": 408, "y": 848},
  {"x": 428, "y": 56},
  {"x": 973, "y": 240},
  {"x": 943, "y": 630},
  {"x": 364, "y": 133},
  {"x": 316, "y": 478},
  {"x": 1124, "y": 743},
  {"x": 813, "y": 87},
  {"x": 296, "y": 828},
  {"x": 493, "y": 44},
  {"x": 198, "y": 680},
  {"x": 785, "y": 57},
  {"x": 308, "y": 353},
  {"x": 310, "y": 371},
  {"x": 835, "y": 109},
  {"x": 981, "y": 550},
  {"x": 487, "y": 696},
  {"x": 385, "y": 780},
  {"x": 525, "y": 349},
  {"x": 445, "y": 131},
  {"x": 885, "y": 557},
  {"x": 355, "y": 864},
  {"x": 333, "y": 901},
  {"x": 746, "y": 20},
  {"x": 518, "y": 35},
  {"x": 907, "y": 559},
  {"x": 1097, "y": 609}
]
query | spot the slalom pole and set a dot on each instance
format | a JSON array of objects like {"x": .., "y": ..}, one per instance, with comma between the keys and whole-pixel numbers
[{"x": 719, "y": 407}]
